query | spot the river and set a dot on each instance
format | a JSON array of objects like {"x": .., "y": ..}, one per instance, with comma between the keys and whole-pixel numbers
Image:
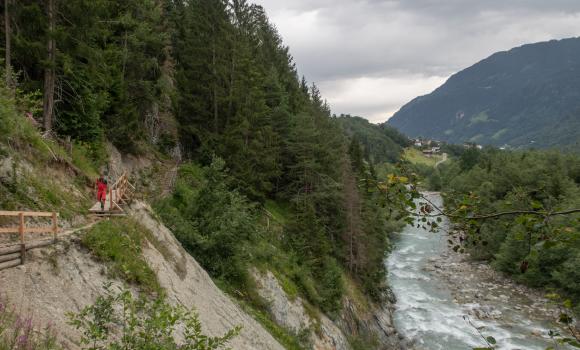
[{"x": 436, "y": 288}]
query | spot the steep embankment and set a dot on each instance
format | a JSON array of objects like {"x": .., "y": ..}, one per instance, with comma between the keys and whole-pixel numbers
[
  {"x": 39, "y": 174},
  {"x": 357, "y": 320},
  {"x": 64, "y": 278}
]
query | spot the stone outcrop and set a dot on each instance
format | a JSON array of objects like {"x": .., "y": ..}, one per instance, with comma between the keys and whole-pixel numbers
[
  {"x": 291, "y": 314},
  {"x": 375, "y": 323},
  {"x": 325, "y": 334}
]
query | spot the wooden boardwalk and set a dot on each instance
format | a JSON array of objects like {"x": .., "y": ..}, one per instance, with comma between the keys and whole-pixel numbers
[
  {"x": 109, "y": 205},
  {"x": 118, "y": 195},
  {"x": 13, "y": 254}
]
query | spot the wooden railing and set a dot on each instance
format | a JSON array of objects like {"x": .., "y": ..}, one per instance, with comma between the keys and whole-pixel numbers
[
  {"x": 22, "y": 229},
  {"x": 120, "y": 192}
]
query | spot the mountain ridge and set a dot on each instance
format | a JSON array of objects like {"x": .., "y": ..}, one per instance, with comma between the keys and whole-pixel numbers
[{"x": 526, "y": 96}]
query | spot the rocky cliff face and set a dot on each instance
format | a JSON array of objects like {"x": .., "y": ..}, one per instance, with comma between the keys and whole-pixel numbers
[
  {"x": 374, "y": 324},
  {"x": 323, "y": 334},
  {"x": 64, "y": 278}
]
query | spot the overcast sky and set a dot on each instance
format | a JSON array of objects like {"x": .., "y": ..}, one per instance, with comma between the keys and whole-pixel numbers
[{"x": 370, "y": 57}]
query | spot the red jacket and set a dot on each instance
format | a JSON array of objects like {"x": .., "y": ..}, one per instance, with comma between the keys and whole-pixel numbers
[{"x": 101, "y": 189}]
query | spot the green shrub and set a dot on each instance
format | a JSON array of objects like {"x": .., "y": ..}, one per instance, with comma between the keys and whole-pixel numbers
[
  {"x": 568, "y": 276},
  {"x": 119, "y": 321},
  {"x": 331, "y": 286},
  {"x": 212, "y": 222},
  {"x": 119, "y": 243}
]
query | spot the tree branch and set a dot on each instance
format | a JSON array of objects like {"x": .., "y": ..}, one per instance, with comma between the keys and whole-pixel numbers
[{"x": 495, "y": 215}]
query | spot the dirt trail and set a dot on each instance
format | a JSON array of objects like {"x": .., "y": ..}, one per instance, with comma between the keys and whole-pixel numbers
[{"x": 442, "y": 160}]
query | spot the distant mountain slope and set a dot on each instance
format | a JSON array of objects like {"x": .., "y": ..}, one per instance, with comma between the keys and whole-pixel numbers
[
  {"x": 527, "y": 96},
  {"x": 382, "y": 143}
]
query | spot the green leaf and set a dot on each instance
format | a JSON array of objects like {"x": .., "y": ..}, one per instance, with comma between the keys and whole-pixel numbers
[
  {"x": 491, "y": 340},
  {"x": 565, "y": 318}
]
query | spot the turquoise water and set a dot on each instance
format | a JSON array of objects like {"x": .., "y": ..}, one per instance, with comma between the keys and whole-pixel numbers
[{"x": 426, "y": 313}]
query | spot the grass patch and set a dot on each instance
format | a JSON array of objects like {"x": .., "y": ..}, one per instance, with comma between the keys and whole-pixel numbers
[
  {"x": 119, "y": 243},
  {"x": 415, "y": 156},
  {"x": 355, "y": 294},
  {"x": 289, "y": 287},
  {"x": 280, "y": 211},
  {"x": 52, "y": 196},
  {"x": 295, "y": 279},
  {"x": 359, "y": 343},
  {"x": 479, "y": 118},
  {"x": 31, "y": 192},
  {"x": 40, "y": 177},
  {"x": 82, "y": 155}
]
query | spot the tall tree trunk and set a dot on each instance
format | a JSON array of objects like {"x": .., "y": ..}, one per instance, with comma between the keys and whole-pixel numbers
[
  {"x": 232, "y": 77},
  {"x": 8, "y": 32},
  {"x": 125, "y": 54},
  {"x": 49, "y": 72},
  {"x": 215, "y": 97}
]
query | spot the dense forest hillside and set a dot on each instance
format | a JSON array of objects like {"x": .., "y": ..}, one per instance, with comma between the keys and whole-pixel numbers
[
  {"x": 526, "y": 97},
  {"x": 264, "y": 176},
  {"x": 381, "y": 143}
]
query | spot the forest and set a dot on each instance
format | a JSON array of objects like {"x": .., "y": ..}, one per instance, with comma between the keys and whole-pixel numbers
[
  {"x": 209, "y": 85},
  {"x": 519, "y": 211}
]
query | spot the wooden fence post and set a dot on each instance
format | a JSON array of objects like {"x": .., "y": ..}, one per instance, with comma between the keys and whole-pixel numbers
[
  {"x": 54, "y": 225},
  {"x": 21, "y": 232}
]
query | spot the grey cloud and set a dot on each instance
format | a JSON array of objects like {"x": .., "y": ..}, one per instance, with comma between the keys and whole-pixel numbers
[{"x": 334, "y": 40}]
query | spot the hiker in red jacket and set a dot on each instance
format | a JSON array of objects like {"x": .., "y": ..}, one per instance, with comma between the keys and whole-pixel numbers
[{"x": 102, "y": 191}]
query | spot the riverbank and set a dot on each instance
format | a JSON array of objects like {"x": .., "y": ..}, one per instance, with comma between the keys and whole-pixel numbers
[
  {"x": 445, "y": 300},
  {"x": 487, "y": 294},
  {"x": 473, "y": 281}
]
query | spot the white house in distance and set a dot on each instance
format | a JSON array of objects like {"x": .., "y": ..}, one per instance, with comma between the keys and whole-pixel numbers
[
  {"x": 469, "y": 145},
  {"x": 429, "y": 152},
  {"x": 428, "y": 147},
  {"x": 420, "y": 143}
]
